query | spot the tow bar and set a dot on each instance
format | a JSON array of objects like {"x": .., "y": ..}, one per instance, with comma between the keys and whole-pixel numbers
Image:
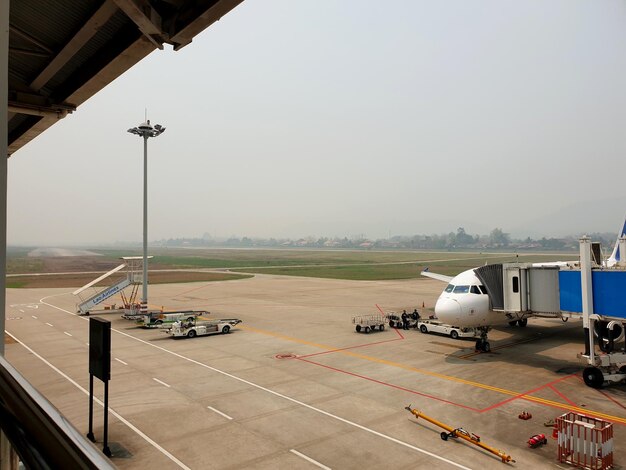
[{"x": 460, "y": 432}]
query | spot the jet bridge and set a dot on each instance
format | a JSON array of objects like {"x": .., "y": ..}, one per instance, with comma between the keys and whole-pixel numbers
[
  {"x": 588, "y": 289},
  {"x": 522, "y": 288},
  {"x": 598, "y": 292}
]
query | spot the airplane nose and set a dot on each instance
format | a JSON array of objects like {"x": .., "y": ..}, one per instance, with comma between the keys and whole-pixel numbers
[{"x": 448, "y": 310}]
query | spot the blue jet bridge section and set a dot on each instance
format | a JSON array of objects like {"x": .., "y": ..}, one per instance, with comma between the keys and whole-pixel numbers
[{"x": 609, "y": 292}]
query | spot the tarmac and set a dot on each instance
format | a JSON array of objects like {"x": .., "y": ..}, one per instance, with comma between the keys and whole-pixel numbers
[{"x": 296, "y": 387}]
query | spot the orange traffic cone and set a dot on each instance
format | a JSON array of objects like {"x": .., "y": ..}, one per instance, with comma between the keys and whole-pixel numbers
[{"x": 422, "y": 304}]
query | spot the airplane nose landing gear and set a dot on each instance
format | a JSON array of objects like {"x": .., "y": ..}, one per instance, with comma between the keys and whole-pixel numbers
[{"x": 482, "y": 344}]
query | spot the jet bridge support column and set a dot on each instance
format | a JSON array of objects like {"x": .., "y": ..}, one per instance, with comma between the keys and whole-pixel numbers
[{"x": 587, "y": 295}]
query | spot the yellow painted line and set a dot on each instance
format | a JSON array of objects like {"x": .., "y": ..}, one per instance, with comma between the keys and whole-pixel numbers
[
  {"x": 502, "y": 346},
  {"x": 471, "y": 383},
  {"x": 288, "y": 338},
  {"x": 381, "y": 361}
]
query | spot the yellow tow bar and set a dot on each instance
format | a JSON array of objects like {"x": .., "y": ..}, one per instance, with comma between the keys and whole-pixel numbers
[{"x": 462, "y": 433}]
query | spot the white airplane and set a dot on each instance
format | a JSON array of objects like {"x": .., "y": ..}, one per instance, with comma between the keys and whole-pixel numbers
[{"x": 465, "y": 303}]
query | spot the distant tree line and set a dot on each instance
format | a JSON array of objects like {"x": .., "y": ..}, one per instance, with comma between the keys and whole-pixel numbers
[{"x": 497, "y": 239}]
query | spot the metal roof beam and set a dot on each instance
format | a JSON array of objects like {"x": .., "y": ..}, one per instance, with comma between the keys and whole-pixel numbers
[
  {"x": 203, "y": 17},
  {"x": 146, "y": 18},
  {"x": 90, "y": 28},
  {"x": 30, "y": 39}
]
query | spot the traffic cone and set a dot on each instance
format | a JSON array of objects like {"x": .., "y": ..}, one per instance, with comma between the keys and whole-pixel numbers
[
  {"x": 422, "y": 304},
  {"x": 555, "y": 432}
]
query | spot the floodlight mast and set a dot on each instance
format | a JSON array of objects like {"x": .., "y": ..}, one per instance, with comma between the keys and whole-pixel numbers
[{"x": 145, "y": 130}]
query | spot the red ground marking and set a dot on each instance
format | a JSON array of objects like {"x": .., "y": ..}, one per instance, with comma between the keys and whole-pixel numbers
[
  {"x": 386, "y": 384},
  {"x": 194, "y": 289},
  {"x": 382, "y": 311},
  {"x": 351, "y": 347},
  {"x": 523, "y": 395},
  {"x": 605, "y": 395},
  {"x": 562, "y": 396}
]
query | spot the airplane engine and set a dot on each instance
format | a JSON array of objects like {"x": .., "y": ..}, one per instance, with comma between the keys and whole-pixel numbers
[{"x": 609, "y": 332}]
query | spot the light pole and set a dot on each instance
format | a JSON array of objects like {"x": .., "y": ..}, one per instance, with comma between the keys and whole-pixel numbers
[{"x": 145, "y": 130}]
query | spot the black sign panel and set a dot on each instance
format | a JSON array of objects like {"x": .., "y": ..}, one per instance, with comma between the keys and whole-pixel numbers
[{"x": 100, "y": 348}]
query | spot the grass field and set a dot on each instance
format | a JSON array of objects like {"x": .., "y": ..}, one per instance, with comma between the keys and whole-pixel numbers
[
  {"x": 77, "y": 280},
  {"x": 337, "y": 264}
]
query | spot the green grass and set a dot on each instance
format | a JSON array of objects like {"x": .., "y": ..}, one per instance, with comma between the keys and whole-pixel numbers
[
  {"x": 15, "y": 284},
  {"x": 403, "y": 270},
  {"x": 336, "y": 264},
  {"x": 20, "y": 264}
]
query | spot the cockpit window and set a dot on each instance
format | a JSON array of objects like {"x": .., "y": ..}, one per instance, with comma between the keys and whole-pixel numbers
[
  {"x": 474, "y": 290},
  {"x": 449, "y": 288},
  {"x": 461, "y": 289},
  {"x": 482, "y": 289}
]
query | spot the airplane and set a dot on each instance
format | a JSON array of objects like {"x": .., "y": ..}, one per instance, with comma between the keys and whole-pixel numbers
[{"x": 465, "y": 302}]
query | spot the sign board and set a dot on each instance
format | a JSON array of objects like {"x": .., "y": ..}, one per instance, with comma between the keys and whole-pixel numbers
[{"x": 100, "y": 348}]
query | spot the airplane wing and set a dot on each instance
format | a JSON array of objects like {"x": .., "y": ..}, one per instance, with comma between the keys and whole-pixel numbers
[{"x": 439, "y": 277}]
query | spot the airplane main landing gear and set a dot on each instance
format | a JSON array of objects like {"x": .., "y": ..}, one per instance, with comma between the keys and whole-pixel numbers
[{"x": 482, "y": 344}]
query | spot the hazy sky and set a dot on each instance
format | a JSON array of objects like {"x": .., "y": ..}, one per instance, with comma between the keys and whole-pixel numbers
[{"x": 343, "y": 117}]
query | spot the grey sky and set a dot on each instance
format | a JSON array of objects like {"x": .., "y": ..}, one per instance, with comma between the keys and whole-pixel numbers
[{"x": 334, "y": 118}]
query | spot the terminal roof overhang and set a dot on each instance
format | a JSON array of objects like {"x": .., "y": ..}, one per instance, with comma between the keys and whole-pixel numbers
[{"x": 63, "y": 52}]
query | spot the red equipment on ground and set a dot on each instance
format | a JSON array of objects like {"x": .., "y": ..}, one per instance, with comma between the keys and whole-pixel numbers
[{"x": 537, "y": 440}]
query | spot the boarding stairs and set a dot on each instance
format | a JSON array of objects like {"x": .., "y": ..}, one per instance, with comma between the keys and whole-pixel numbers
[{"x": 88, "y": 299}]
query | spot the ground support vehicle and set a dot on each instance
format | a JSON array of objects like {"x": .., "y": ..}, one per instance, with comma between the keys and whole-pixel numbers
[
  {"x": 395, "y": 320},
  {"x": 367, "y": 323},
  {"x": 434, "y": 326},
  {"x": 158, "y": 319},
  {"x": 193, "y": 328}
]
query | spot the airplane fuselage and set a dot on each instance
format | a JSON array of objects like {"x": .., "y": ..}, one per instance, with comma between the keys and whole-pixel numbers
[{"x": 465, "y": 303}]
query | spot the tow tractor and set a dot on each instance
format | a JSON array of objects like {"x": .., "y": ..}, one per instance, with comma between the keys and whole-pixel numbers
[
  {"x": 192, "y": 327},
  {"x": 434, "y": 326},
  {"x": 395, "y": 319}
]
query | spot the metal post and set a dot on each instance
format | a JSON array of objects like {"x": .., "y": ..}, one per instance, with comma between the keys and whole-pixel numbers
[
  {"x": 144, "y": 295},
  {"x": 4, "y": 155},
  {"x": 586, "y": 287},
  {"x": 90, "y": 435},
  {"x": 146, "y": 130},
  {"x": 105, "y": 446}
]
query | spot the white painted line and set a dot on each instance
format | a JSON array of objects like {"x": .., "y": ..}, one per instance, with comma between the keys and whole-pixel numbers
[
  {"x": 219, "y": 412},
  {"x": 113, "y": 412},
  {"x": 49, "y": 324},
  {"x": 161, "y": 382},
  {"x": 68, "y": 334},
  {"x": 277, "y": 394},
  {"x": 314, "y": 462},
  {"x": 119, "y": 360},
  {"x": 34, "y": 317}
]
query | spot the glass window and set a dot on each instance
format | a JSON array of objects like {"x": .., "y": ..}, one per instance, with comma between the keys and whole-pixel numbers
[
  {"x": 461, "y": 289},
  {"x": 474, "y": 290},
  {"x": 449, "y": 288},
  {"x": 483, "y": 289},
  {"x": 515, "y": 284}
]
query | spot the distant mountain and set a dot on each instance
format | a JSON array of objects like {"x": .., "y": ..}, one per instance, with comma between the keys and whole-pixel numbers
[{"x": 577, "y": 219}]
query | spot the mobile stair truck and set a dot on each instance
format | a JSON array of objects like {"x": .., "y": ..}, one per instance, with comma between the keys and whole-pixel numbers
[{"x": 193, "y": 327}]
